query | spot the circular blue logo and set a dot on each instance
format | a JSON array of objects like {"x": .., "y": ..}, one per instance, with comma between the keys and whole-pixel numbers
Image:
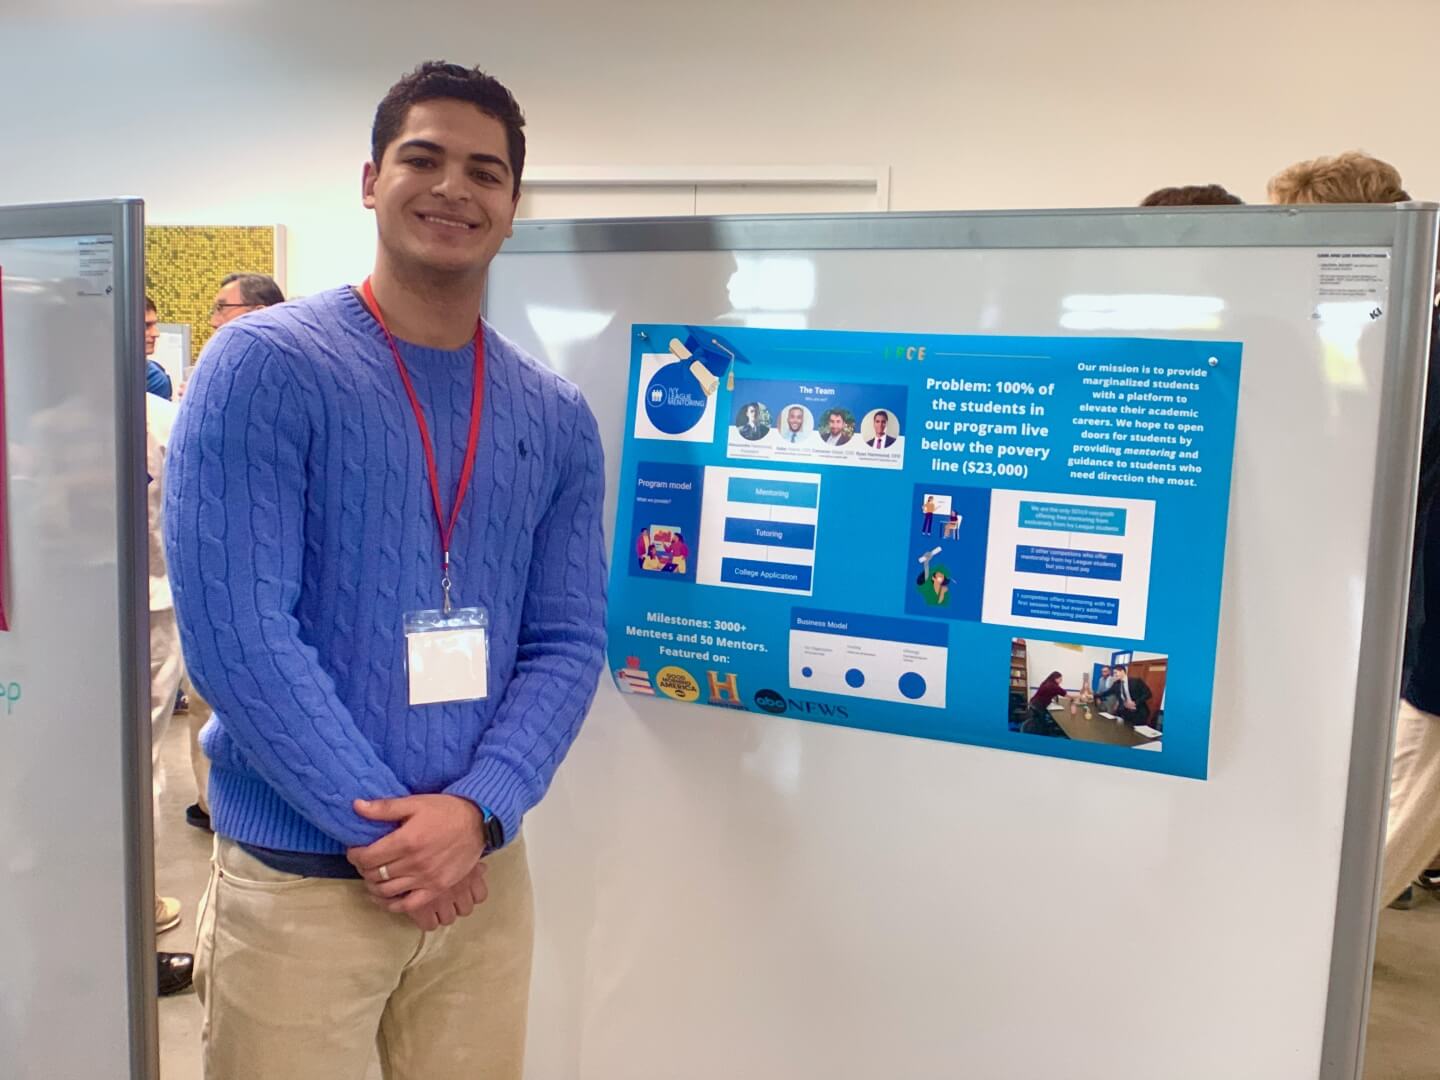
[
  {"x": 770, "y": 701},
  {"x": 912, "y": 685},
  {"x": 675, "y": 402}
]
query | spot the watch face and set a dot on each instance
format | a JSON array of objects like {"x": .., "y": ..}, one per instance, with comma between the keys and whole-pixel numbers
[{"x": 494, "y": 832}]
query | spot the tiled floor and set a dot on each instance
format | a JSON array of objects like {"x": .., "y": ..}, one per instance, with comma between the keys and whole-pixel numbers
[{"x": 1404, "y": 1036}]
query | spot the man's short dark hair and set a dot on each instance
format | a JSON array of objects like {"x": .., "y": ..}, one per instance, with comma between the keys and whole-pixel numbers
[
  {"x": 257, "y": 289},
  {"x": 1192, "y": 195},
  {"x": 150, "y": 306},
  {"x": 436, "y": 80},
  {"x": 881, "y": 412}
]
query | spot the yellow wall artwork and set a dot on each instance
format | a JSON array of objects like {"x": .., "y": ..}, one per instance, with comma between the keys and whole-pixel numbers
[{"x": 184, "y": 265}]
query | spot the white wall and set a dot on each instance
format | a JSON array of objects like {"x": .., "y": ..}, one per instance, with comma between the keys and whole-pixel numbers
[
  {"x": 1043, "y": 657},
  {"x": 257, "y": 111}
]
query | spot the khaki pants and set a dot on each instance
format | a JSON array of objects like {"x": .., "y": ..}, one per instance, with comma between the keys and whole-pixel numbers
[
  {"x": 1412, "y": 830},
  {"x": 198, "y": 716},
  {"x": 166, "y": 667},
  {"x": 300, "y": 978}
]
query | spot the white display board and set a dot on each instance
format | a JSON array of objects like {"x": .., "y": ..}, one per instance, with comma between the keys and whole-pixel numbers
[
  {"x": 78, "y": 975},
  {"x": 172, "y": 352},
  {"x": 726, "y": 894}
]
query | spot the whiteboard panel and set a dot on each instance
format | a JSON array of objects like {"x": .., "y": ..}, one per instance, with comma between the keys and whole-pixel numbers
[
  {"x": 723, "y": 893},
  {"x": 67, "y": 852}
]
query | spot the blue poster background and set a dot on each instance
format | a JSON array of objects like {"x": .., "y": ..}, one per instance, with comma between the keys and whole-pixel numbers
[{"x": 905, "y": 527}]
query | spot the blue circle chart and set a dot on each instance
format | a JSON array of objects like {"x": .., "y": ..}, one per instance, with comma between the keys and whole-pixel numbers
[
  {"x": 807, "y": 672},
  {"x": 855, "y": 677},
  {"x": 912, "y": 685}
]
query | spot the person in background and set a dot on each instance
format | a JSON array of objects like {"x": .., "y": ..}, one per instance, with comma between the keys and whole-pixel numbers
[
  {"x": 239, "y": 295},
  {"x": 1135, "y": 708},
  {"x": 166, "y": 662},
  {"x": 1412, "y": 827},
  {"x": 1192, "y": 195},
  {"x": 1114, "y": 695},
  {"x": 157, "y": 379},
  {"x": 344, "y": 465},
  {"x": 1040, "y": 722},
  {"x": 1351, "y": 177}
]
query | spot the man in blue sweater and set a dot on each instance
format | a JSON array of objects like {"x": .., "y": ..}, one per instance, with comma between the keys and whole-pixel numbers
[
  {"x": 356, "y": 482},
  {"x": 157, "y": 379}
]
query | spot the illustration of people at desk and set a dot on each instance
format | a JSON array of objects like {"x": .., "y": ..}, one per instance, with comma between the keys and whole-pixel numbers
[{"x": 662, "y": 550}]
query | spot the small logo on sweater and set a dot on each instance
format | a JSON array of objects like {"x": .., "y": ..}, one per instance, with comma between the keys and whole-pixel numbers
[{"x": 677, "y": 683}]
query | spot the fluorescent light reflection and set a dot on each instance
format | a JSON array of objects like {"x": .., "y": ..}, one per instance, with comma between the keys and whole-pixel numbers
[
  {"x": 772, "y": 283},
  {"x": 1340, "y": 324},
  {"x": 1141, "y": 311},
  {"x": 775, "y": 292},
  {"x": 559, "y": 328}
]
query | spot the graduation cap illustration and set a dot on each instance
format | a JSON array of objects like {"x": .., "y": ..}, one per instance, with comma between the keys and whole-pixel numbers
[{"x": 710, "y": 356}]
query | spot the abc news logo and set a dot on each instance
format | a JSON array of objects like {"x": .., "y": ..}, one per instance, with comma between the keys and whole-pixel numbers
[{"x": 772, "y": 701}]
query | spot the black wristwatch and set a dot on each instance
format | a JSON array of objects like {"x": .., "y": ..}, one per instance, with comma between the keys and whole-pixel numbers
[{"x": 494, "y": 832}]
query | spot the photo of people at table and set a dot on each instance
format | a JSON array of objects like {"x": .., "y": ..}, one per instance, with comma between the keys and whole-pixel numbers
[{"x": 1090, "y": 692}]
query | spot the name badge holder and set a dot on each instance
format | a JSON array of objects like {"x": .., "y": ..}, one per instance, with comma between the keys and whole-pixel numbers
[
  {"x": 447, "y": 655},
  {"x": 447, "y": 651}
]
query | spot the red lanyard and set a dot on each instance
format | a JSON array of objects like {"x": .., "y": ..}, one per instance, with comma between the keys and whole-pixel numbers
[{"x": 477, "y": 399}]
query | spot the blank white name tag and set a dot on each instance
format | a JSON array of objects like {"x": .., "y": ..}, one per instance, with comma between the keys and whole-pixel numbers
[{"x": 447, "y": 655}]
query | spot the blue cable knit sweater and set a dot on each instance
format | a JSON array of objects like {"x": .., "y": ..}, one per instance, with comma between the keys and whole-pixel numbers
[{"x": 299, "y": 531}]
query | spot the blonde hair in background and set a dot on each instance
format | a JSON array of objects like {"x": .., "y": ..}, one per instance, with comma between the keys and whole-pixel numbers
[{"x": 1351, "y": 177}]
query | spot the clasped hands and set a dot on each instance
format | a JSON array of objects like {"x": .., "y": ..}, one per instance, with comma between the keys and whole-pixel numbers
[{"x": 430, "y": 867}]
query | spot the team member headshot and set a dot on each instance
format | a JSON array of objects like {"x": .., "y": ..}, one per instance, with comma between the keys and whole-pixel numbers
[
  {"x": 752, "y": 422},
  {"x": 837, "y": 432},
  {"x": 880, "y": 420},
  {"x": 795, "y": 428},
  {"x": 346, "y": 471}
]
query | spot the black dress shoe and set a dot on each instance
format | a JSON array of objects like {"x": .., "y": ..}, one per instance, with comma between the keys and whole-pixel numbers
[
  {"x": 177, "y": 969},
  {"x": 197, "y": 817}
]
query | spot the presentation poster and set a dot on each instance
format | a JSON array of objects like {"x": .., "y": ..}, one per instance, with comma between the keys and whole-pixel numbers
[{"x": 1014, "y": 542}]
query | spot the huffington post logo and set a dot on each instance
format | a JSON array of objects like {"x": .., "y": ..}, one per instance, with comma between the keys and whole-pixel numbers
[{"x": 724, "y": 691}]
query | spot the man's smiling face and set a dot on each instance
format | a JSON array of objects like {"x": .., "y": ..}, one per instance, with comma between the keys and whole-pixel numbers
[{"x": 443, "y": 194}]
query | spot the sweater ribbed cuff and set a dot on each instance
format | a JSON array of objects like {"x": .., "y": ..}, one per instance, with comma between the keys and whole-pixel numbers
[{"x": 494, "y": 785}]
